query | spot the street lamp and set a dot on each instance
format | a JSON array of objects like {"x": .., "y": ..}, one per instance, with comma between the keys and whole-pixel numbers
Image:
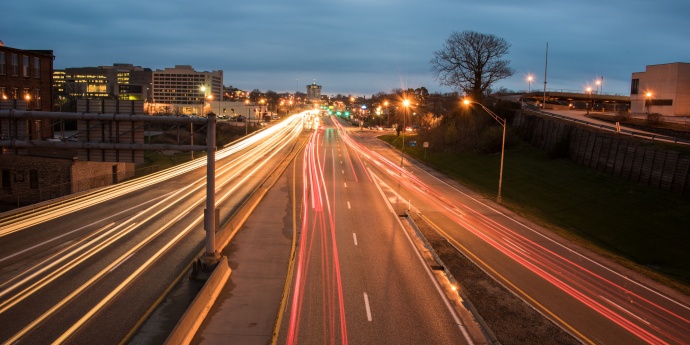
[
  {"x": 406, "y": 103},
  {"x": 502, "y": 122},
  {"x": 388, "y": 119},
  {"x": 529, "y": 83},
  {"x": 246, "y": 121},
  {"x": 589, "y": 96},
  {"x": 598, "y": 86},
  {"x": 649, "y": 101},
  {"x": 203, "y": 98}
]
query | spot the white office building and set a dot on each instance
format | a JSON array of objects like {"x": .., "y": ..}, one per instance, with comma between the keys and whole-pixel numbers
[
  {"x": 663, "y": 89},
  {"x": 182, "y": 90}
]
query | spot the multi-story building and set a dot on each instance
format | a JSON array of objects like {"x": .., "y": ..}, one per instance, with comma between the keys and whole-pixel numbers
[
  {"x": 119, "y": 81},
  {"x": 34, "y": 174},
  {"x": 185, "y": 90},
  {"x": 25, "y": 78},
  {"x": 663, "y": 89},
  {"x": 314, "y": 92}
]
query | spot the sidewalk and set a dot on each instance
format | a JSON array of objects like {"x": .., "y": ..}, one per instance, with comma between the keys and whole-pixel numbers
[{"x": 246, "y": 309}]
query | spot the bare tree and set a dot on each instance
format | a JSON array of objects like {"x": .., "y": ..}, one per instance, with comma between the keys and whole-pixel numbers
[{"x": 471, "y": 62}]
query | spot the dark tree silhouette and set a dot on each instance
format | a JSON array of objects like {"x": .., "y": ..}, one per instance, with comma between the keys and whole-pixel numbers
[{"x": 471, "y": 62}]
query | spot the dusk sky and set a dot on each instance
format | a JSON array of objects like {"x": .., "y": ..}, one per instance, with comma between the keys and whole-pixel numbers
[{"x": 355, "y": 47}]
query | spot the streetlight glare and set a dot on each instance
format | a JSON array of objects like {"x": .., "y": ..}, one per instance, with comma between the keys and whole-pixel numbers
[
  {"x": 503, "y": 123},
  {"x": 406, "y": 103}
]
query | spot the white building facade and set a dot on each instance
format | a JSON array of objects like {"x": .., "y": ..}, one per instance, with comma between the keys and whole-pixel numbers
[
  {"x": 663, "y": 89},
  {"x": 182, "y": 90}
]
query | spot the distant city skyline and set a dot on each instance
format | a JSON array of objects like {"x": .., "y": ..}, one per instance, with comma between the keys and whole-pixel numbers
[{"x": 355, "y": 47}]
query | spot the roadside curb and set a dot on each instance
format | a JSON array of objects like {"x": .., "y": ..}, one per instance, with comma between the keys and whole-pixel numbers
[
  {"x": 481, "y": 333},
  {"x": 196, "y": 313}
]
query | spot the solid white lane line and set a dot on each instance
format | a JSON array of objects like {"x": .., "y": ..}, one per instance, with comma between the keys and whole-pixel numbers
[
  {"x": 355, "y": 237},
  {"x": 366, "y": 305},
  {"x": 348, "y": 206}
]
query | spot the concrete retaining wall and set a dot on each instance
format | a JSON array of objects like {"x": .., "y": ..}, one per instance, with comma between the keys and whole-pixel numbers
[{"x": 618, "y": 156}]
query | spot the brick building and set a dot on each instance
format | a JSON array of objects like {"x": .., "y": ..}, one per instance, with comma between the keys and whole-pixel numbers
[
  {"x": 26, "y": 78},
  {"x": 31, "y": 174}
]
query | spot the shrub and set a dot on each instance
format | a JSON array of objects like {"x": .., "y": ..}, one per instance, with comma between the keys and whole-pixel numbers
[{"x": 654, "y": 118}]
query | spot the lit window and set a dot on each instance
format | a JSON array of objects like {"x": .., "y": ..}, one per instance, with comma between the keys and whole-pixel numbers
[{"x": 37, "y": 98}]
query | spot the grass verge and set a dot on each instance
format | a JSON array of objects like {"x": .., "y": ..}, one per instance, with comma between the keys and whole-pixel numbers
[{"x": 644, "y": 228}]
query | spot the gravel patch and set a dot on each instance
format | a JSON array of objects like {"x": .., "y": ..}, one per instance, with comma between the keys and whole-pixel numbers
[{"x": 510, "y": 319}]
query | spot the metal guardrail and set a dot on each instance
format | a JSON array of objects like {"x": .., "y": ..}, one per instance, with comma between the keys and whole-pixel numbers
[{"x": 653, "y": 137}]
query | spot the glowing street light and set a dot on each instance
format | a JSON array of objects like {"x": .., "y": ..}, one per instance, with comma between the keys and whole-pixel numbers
[
  {"x": 249, "y": 116},
  {"x": 388, "y": 120},
  {"x": 203, "y": 98},
  {"x": 406, "y": 104},
  {"x": 649, "y": 101},
  {"x": 529, "y": 83},
  {"x": 589, "y": 95},
  {"x": 598, "y": 86},
  {"x": 502, "y": 122}
]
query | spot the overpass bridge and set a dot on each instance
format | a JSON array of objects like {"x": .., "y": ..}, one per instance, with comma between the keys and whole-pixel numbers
[{"x": 560, "y": 100}]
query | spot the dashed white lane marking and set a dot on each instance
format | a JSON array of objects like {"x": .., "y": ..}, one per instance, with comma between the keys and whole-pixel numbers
[{"x": 366, "y": 305}]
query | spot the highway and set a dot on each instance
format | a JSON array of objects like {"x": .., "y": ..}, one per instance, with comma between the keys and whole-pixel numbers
[
  {"x": 593, "y": 299},
  {"x": 357, "y": 277},
  {"x": 89, "y": 269}
]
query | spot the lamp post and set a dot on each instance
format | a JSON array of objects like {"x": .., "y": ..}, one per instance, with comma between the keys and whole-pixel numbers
[
  {"x": 649, "y": 101},
  {"x": 203, "y": 99},
  {"x": 246, "y": 121},
  {"x": 598, "y": 86},
  {"x": 502, "y": 122},
  {"x": 406, "y": 103},
  {"x": 589, "y": 96},
  {"x": 529, "y": 83},
  {"x": 388, "y": 115}
]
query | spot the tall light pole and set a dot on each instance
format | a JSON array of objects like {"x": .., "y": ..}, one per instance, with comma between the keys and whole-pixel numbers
[
  {"x": 502, "y": 122},
  {"x": 203, "y": 99},
  {"x": 388, "y": 119},
  {"x": 589, "y": 96},
  {"x": 649, "y": 101},
  {"x": 529, "y": 83},
  {"x": 246, "y": 121},
  {"x": 406, "y": 103},
  {"x": 599, "y": 86}
]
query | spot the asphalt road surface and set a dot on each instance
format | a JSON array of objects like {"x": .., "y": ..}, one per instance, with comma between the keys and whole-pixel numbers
[
  {"x": 357, "y": 277},
  {"x": 89, "y": 269}
]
